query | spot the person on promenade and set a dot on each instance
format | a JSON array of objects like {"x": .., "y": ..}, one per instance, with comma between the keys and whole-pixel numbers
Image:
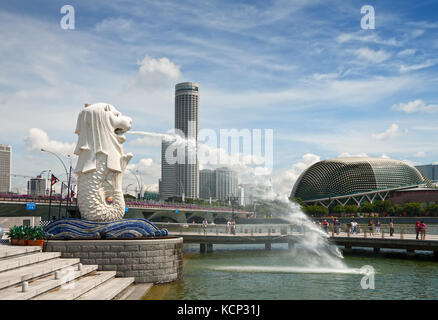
[
  {"x": 423, "y": 230},
  {"x": 325, "y": 226},
  {"x": 335, "y": 224},
  {"x": 355, "y": 229},
  {"x": 391, "y": 227},
  {"x": 417, "y": 229},
  {"x": 378, "y": 226},
  {"x": 371, "y": 227},
  {"x": 228, "y": 226},
  {"x": 204, "y": 225},
  {"x": 233, "y": 227}
]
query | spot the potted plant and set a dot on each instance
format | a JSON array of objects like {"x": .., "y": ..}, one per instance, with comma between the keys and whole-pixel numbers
[
  {"x": 17, "y": 235},
  {"x": 35, "y": 236}
]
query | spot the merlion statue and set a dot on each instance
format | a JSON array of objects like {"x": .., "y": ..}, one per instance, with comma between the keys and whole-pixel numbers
[{"x": 101, "y": 162}]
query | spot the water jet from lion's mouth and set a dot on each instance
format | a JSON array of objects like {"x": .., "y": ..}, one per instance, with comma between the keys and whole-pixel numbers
[{"x": 314, "y": 241}]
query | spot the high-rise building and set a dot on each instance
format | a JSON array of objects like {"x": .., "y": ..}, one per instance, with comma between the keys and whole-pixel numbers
[
  {"x": 187, "y": 126},
  {"x": 430, "y": 171},
  {"x": 167, "y": 183},
  {"x": 5, "y": 168},
  {"x": 36, "y": 187},
  {"x": 226, "y": 184},
  {"x": 207, "y": 184}
]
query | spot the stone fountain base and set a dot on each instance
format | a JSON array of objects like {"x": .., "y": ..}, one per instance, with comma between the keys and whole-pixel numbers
[{"x": 154, "y": 260}]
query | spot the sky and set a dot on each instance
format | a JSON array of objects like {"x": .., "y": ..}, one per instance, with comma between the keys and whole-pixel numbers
[{"x": 305, "y": 69}]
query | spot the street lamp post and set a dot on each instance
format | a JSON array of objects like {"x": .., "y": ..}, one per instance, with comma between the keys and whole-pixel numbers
[
  {"x": 136, "y": 178},
  {"x": 68, "y": 176}
]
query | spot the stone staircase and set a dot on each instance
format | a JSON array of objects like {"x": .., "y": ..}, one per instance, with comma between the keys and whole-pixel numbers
[{"x": 26, "y": 273}]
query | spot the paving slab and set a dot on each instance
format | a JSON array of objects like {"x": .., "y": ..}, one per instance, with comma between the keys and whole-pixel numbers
[
  {"x": 108, "y": 290},
  {"x": 11, "y": 277},
  {"x": 44, "y": 284},
  {"x": 20, "y": 261},
  {"x": 8, "y": 250},
  {"x": 78, "y": 287}
]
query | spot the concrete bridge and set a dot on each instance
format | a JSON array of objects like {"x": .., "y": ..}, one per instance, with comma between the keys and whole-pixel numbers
[
  {"x": 282, "y": 233},
  {"x": 178, "y": 213}
]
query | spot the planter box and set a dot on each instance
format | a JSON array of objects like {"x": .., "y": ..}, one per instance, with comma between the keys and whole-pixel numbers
[
  {"x": 18, "y": 242},
  {"x": 35, "y": 242}
]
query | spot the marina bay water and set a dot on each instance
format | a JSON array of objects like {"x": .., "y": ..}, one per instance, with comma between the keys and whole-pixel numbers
[{"x": 250, "y": 272}]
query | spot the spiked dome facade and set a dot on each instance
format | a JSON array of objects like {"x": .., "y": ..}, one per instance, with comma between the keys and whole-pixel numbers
[{"x": 360, "y": 179}]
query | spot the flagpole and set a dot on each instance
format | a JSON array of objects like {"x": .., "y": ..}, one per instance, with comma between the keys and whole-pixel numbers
[
  {"x": 50, "y": 196},
  {"x": 60, "y": 201},
  {"x": 68, "y": 192}
]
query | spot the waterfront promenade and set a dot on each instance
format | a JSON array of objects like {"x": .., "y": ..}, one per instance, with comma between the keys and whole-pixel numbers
[{"x": 282, "y": 234}]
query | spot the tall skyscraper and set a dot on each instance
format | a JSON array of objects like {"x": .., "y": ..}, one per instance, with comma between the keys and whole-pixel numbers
[
  {"x": 187, "y": 126},
  {"x": 207, "y": 184},
  {"x": 226, "y": 184},
  {"x": 36, "y": 187},
  {"x": 430, "y": 171},
  {"x": 182, "y": 177},
  {"x": 5, "y": 168},
  {"x": 167, "y": 184}
]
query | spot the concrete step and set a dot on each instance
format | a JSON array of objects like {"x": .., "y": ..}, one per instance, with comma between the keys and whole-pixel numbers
[
  {"x": 20, "y": 261},
  {"x": 107, "y": 290},
  {"x": 47, "y": 283},
  {"x": 12, "y": 277},
  {"x": 78, "y": 287},
  {"x": 7, "y": 251}
]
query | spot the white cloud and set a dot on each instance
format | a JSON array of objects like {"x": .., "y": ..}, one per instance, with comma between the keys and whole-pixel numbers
[
  {"x": 372, "y": 55},
  {"x": 284, "y": 181},
  {"x": 406, "y": 52},
  {"x": 414, "y": 67},
  {"x": 415, "y": 106},
  {"x": 38, "y": 139},
  {"x": 392, "y": 132},
  {"x": 156, "y": 73},
  {"x": 384, "y": 156},
  {"x": 349, "y": 155},
  {"x": 420, "y": 154},
  {"x": 370, "y": 37}
]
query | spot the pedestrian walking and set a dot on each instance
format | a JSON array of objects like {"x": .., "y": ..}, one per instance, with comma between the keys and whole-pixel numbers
[
  {"x": 228, "y": 226},
  {"x": 391, "y": 227},
  {"x": 204, "y": 225},
  {"x": 371, "y": 227},
  {"x": 417, "y": 229},
  {"x": 325, "y": 226},
  {"x": 423, "y": 230},
  {"x": 378, "y": 226}
]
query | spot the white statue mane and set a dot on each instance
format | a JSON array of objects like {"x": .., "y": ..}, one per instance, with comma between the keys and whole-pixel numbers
[{"x": 101, "y": 162}]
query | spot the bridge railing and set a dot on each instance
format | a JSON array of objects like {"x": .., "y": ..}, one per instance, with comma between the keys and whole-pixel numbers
[
  {"x": 398, "y": 229},
  {"x": 135, "y": 204},
  {"x": 281, "y": 229}
]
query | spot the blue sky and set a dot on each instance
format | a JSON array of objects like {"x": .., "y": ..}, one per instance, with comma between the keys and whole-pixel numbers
[{"x": 305, "y": 69}]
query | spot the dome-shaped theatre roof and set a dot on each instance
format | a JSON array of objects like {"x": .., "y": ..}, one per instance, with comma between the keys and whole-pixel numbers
[{"x": 347, "y": 176}]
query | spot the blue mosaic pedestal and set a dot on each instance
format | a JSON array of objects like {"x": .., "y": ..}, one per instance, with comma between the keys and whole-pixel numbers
[{"x": 125, "y": 228}]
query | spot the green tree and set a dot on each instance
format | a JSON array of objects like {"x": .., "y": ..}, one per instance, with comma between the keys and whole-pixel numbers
[
  {"x": 367, "y": 207},
  {"x": 432, "y": 209},
  {"x": 413, "y": 209},
  {"x": 382, "y": 206},
  {"x": 339, "y": 208},
  {"x": 315, "y": 210},
  {"x": 351, "y": 208}
]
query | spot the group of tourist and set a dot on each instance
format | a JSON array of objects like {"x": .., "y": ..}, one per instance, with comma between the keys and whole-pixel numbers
[
  {"x": 231, "y": 226},
  {"x": 420, "y": 230},
  {"x": 373, "y": 227}
]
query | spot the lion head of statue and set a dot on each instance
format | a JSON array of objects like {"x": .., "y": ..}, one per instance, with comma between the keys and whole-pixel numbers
[{"x": 100, "y": 129}]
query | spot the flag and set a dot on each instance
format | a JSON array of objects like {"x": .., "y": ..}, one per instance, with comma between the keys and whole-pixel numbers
[
  {"x": 54, "y": 179},
  {"x": 64, "y": 189},
  {"x": 72, "y": 194}
]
